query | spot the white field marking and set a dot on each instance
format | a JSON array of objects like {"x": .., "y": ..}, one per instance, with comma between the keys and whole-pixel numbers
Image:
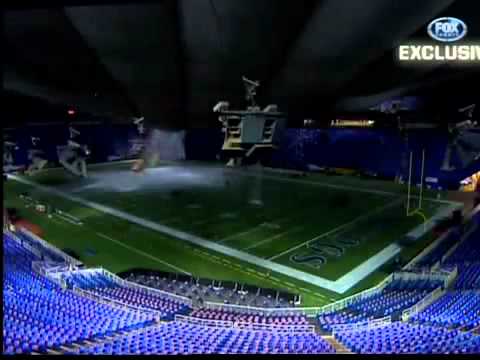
[
  {"x": 338, "y": 228},
  {"x": 317, "y": 183},
  {"x": 271, "y": 238},
  {"x": 67, "y": 220},
  {"x": 253, "y": 229},
  {"x": 151, "y": 257},
  {"x": 338, "y": 286},
  {"x": 340, "y": 187}
]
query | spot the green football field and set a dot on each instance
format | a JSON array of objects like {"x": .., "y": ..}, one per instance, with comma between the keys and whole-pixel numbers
[{"x": 325, "y": 226}]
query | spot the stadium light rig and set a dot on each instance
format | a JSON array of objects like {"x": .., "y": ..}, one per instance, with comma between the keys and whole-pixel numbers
[{"x": 251, "y": 131}]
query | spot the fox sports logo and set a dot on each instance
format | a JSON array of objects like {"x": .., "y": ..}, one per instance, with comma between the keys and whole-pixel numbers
[{"x": 447, "y": 29}]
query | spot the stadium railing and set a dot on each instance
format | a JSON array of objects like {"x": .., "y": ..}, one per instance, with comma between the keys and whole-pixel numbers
[
  {"x": 271, "y": 327},
  {"x": 67, "y": 258},
  {"x": 204, "y": 322},
  {"x": 433, "y": 245},
  {"x": 245, "y": 309},
  {"x": 363, "y": 325},
  {"x": 427, "y": 250},
  {"x": 422, "y": 304},
  {"x": 338, "y": 305},
  {"x": 124, "y": 283},
  {"x": 26, "y": 245},
  {"x": 433, "y": 296},
  {"x": 343, "y": 303},
  {"x": 244, "y": 325},
  {"x": 451, "y": 278},
  {"x": 431, "y": 276},
  {"x": 39, "y": 267},
  {"x": 113, "y": 302},
  {"x": 307, "y": 311},
  {"x": 471, "y": 227}
]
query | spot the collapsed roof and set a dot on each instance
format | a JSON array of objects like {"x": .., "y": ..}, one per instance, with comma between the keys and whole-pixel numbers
[{"x": 172, "y": 61}]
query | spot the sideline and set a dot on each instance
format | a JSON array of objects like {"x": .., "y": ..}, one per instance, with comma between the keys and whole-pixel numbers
[{"x": 140, "y": 252}]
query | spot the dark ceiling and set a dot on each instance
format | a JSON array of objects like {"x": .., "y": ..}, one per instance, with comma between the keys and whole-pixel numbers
[{"x": 171, "y": 61}]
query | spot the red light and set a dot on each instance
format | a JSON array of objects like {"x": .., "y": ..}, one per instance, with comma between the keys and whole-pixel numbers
[{"x": 71, "y": 112}]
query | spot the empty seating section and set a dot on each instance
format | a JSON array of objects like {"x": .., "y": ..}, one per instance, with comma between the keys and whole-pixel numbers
[
  {"x": 87, "y": 281},
  {"x": 200, "y": 292},
  {"x": 183, "y": 338},
  {"x": 39, "y": 314},
  {"x": 437, "y": 253},
  {"x": 138, "y": 298},
  {"x": 468, "y": 277},
  {"x": 293, "y": 319},
  {"x": 391, "y": 301},
  {"x": 345, "y": 316},
  {"x": 454, "y": 309},
  {"x": 105, "y": 287},
  {"x": 36, "y": 245},
  {"x": 468, "y": 251},
  {"x": 400, "y": 337}
]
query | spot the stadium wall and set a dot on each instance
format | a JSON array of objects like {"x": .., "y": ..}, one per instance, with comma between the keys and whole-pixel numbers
[{"x": 383, "y": 152}]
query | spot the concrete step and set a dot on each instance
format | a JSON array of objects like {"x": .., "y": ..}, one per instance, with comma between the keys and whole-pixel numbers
[
  {"x": 338, "y": 346},
  {"x": 53, "y": 352}
]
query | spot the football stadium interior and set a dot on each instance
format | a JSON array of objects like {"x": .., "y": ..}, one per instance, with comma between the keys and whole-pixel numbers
[{"x": 240, "y": 177}]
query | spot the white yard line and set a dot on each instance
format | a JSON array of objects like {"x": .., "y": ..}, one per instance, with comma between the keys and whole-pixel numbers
[
  {"x": 315, "y": 183},
  {"x": 333, "y": 186},
  {"x": 64, "y": 218},
  {"x": 140, "y": 252},
  {"x": 253, "y": 229},
  {"x": 271, "y": 238},
  {"x": 338, "y": 228}
]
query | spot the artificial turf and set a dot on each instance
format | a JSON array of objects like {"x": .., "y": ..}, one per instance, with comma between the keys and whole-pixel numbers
[{"x": 218, "y": 208}]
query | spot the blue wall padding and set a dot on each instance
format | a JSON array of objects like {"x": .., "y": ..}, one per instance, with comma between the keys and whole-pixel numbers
[{"x": 383, "y": 152}]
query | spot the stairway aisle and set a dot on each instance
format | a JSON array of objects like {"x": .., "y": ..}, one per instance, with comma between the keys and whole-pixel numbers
[{"x": 339, "y": 347}]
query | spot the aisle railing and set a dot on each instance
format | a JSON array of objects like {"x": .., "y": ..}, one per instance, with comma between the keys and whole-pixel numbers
[
  {"x": 246, "y": 325},
  {"x": 204, "y": 322},
  {"x": 422, "y": 304},
  {"x": 307, "y": 311},
  {"x": 363, "y": 325},
  {"x": 67, "y": 258}
]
